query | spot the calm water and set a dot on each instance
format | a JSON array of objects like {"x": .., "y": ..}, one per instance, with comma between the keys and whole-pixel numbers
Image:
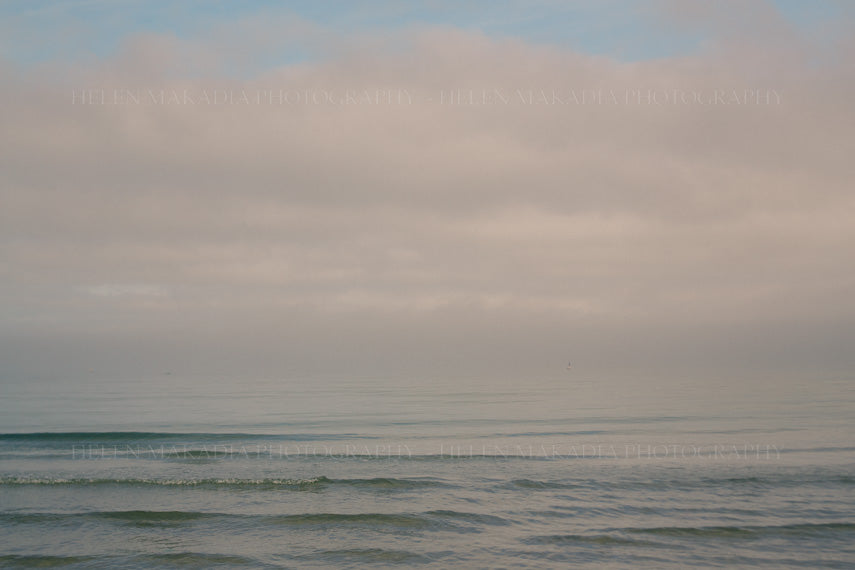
[{"x": 543, "y": 472}]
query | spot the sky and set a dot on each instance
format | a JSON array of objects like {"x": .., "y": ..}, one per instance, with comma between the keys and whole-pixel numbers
[{"x": 417, "y": 188}]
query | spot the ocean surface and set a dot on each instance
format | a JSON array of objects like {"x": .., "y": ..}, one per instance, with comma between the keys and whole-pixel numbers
[{"x": 350, "y": 472}]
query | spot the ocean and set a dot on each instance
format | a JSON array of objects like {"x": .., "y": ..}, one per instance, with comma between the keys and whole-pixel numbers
[{"x": 338, "y": 471}]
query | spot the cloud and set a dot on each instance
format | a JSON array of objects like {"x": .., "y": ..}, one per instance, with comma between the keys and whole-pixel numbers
[{"x": 460, "y": 193}]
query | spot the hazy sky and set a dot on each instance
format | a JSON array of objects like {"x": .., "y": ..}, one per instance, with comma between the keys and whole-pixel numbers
[{"x": 278, "y": 187}]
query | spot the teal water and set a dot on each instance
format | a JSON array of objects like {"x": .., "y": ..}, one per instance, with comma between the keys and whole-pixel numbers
[{"x": 171, "y": 472}]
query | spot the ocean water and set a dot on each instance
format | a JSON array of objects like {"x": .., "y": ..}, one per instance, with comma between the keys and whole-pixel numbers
[{"x": 347, "y": 472}]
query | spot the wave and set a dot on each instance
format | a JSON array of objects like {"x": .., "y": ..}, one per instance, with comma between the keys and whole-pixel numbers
[
  {"x": 479, "y": 518},
  {"x": 367, "y": 556},
  {"x": 628, "y": 536},
  {"x": 402, "y": 484},
  {"x": 194, "y": 560},
  {"x": 41, "y": 560},
  {"x": 595, "y": 539},
  {"x": 768, "y": 481},
  {"x": 748, "y": 531},
  {"x": 450, "y": 456},
  {"x": 250, "y": 452},
  {"x": 392, "y": 483},
  {"x": 690, "y": 483},
  {"x": 534, "y": 484},
  {"x": 139, "y": 518},
  {"x": 120, "y": 435},
  {"x": 434, "y": 519},
  {"x": 314, "y": 483},
  {"x": 406, "y": 520},
  {"x": 430, "y": 520},
  {"x": 153, "y": 517},
  {"x": 298, "y": 484},
  {"x": 821, "y": 449},
  {"x": 552, "y": 433},
  {"x": 109, "y": 437}
]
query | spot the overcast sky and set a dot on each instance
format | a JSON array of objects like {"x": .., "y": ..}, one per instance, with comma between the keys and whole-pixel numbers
[{"x": 273, "y": 188}]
